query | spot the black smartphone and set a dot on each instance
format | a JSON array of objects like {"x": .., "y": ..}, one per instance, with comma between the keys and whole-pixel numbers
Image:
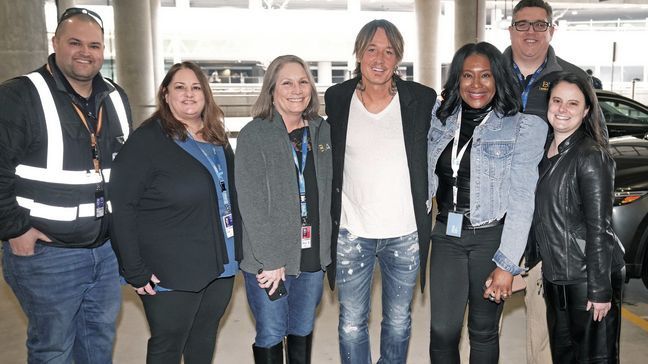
[{"x": 278, "y": 293}]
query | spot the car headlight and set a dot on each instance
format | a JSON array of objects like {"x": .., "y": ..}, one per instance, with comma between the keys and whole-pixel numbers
[{"x": 626, "y": 197}]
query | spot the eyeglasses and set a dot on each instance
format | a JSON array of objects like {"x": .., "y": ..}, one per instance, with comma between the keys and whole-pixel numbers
[
  {"x": 525, "y": 25},
  {"x": 70, "y": 12}
]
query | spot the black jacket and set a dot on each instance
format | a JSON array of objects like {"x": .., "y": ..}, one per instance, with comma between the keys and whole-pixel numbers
[
  {"x": 24, "y": 141},
  {"x": 538, "y": 95},
  {"x": 165, "y": 213},
  {"x": 537, "y": 104},
  {"x": 416, "y": 102},
  {"x": 572, "y": 222}
]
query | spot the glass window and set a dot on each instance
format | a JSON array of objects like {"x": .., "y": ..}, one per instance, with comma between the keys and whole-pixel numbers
[
  {"x": 632, "y": 72},
  {"x": 619, "y": 112}
]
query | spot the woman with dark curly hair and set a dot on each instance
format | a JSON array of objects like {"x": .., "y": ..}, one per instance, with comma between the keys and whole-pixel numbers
[{"x": 482, "y": 156}]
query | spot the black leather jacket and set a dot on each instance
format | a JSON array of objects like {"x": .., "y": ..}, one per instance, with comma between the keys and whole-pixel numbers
[{"x": 572, "y": 223}]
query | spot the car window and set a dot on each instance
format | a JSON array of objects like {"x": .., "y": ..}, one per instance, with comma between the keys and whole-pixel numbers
[{"x": 616, "y": 111}]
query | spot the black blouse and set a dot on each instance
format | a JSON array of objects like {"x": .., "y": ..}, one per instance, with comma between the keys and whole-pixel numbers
[
  {"x": 310, "y": 258},
  {"x": 470, "y": 119}
]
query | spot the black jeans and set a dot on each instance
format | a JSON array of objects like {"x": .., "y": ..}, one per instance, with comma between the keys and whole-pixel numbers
[
  {"x": 573, "y": 335},
  {"x": 185, "y": 323},
  {"x": 458, "y": 269}
]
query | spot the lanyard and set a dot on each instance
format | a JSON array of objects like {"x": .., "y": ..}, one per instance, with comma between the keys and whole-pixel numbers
[
  {"x": 527, "y": 88},
  {"x": 93, "y": 134},
  {"x": 455, "y": 159},
  {"x": 219, "y": 175},
  {"x": 300, "y": 173},
  {"x": 94, "y": 149}
]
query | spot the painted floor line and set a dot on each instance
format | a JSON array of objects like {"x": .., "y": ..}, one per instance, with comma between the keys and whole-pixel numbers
[{"x": 635, "y": 319}]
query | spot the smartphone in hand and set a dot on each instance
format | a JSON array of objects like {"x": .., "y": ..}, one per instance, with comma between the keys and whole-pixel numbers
[{"x": 278, "y": 293}]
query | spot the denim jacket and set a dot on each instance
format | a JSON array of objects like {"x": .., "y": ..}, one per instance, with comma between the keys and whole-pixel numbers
[{"x": 504, "y": 159}]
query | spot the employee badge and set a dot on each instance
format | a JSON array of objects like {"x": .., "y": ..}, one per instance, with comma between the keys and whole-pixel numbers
[
  {"x": 306, "y": 237},
  {"x": 228, "y": 223},
  {"x": 100, "y": 204},
  {"x": 455, "y": 222}
]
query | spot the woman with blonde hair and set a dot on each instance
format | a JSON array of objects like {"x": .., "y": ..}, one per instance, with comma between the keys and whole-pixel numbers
[{"x": 283, "y": 174}]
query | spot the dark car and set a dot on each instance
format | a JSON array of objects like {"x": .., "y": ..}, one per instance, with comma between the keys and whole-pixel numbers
[
  {"x": 630, "y": 211},
  {"x": 623, "y": 116}
]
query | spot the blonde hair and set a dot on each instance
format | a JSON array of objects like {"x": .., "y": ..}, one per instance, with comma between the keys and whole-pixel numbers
[{"x": 263, "y": 107}]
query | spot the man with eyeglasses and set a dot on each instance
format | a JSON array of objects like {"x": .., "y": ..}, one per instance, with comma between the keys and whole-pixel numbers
[
  {"x": 60, "y": 128},
  {"x": 535, "y": 65}
]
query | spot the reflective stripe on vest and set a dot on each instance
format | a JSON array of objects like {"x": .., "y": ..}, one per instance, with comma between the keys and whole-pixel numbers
[
  {"x": 54, "y": 172},
  {"x": 52, "y": 121},
  {"x": 58, "y": 213},
  {"x": 61, "y": 177},
  {"x": 118, "y": 103}
]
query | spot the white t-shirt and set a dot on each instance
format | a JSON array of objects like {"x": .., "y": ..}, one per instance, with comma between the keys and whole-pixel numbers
[{"x": 376, "y": 191}]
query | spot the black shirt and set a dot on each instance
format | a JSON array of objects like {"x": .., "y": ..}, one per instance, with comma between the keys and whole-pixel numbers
[
  {"x": 470, "y": 119},
  {"x": 310, "y": 258}
]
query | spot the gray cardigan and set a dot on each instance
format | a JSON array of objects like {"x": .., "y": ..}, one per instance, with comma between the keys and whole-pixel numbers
[{"x": 269, "y": 196}]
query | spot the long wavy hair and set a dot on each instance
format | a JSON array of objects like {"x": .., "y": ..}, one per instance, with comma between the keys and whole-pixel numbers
[
  {"x": 213, "y": 130},
  {"x": 264, "y": 105},
  {"x": 592, "y": 121},
  {"x": 506, "y": 100}
]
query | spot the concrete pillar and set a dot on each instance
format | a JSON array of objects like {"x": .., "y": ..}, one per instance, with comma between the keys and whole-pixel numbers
[
  {"x": 156, "y": 41},
  {"x": 23, "y": 44},
  {"x": 470, "y": 21},
  {"x": 325, "y": 73},
  {"x": 61, "y": 5},
  {"x": 134, "y": 55},
  {"x": 427, "y": 68}
]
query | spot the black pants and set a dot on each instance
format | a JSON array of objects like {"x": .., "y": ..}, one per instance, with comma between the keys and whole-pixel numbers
[
  {"x": 458, "y": 269},
  {"x": 186, "y": 323},
  {"x": 573, "y": 335}
]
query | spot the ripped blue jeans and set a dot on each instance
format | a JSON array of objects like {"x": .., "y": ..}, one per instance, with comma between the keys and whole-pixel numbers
[{"x": 399, "y": 265}]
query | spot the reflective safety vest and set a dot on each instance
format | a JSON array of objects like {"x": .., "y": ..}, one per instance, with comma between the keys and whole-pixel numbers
[{"x": 54, "y": 172}]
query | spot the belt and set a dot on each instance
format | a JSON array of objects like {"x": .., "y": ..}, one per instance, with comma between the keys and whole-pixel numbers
[{"x": 466, "y": 224}]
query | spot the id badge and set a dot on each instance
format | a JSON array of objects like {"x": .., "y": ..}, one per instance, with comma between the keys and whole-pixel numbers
[
  {"x": 306, "y": 237},
  {"x": 100, "y": 204},
  {"x": 455, "y": 221},
  {"x": 228, "y": 222}
]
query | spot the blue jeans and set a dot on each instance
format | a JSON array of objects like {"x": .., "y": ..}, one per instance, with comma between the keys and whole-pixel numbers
[
  {"x": 294, "y": 314},
  {"x": 399, "y": 265},
  {"x": 71, "y": 297}
]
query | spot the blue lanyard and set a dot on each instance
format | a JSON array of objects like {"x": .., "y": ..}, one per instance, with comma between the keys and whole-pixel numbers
[
  {"x": 219, "y": 175},
  {"x": 302, "y": 182},
  {"x": 527, "y": 89}
]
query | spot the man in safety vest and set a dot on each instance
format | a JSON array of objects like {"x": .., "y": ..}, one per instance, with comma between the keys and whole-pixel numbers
[{"x": 60, "y": 128}]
